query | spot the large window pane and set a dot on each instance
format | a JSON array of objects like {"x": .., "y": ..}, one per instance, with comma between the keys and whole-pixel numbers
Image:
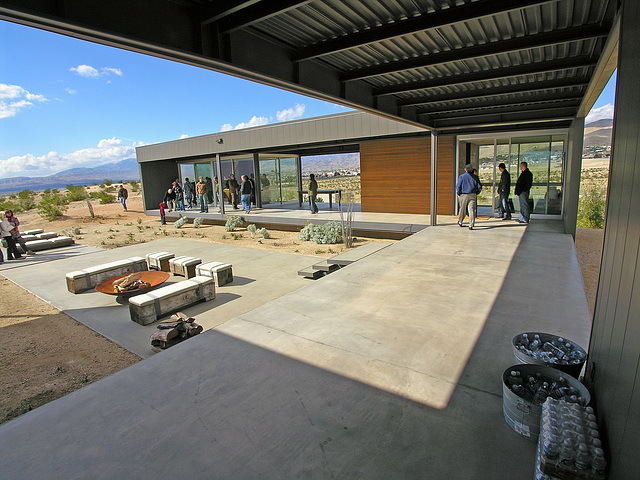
[
  {"x": 270, "y": 181},
  {"x": 289, "y": 176}
]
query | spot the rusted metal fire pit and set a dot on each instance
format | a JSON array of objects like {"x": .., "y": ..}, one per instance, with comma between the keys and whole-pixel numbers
[{"x": 152, "y": 277}]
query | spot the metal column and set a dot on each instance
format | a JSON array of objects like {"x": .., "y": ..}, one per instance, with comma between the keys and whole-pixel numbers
[
  {"x": 434, "y": 170},
  {"x": 220, "y": 186}
]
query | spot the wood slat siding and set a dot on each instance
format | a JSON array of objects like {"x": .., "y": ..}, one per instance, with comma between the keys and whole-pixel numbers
[
  {"x": 396, "y": 175},
  {"x": 446, "y": 175},
  {"x": 614, "y": 349}
]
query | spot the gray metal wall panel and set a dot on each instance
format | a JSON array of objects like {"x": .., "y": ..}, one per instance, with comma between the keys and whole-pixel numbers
[
  {"x": 615, "y": 343},
  {"x": 352, "y": 125},
  {"x": 155, "y": 179},
  {"x": 572, "y": 185}
]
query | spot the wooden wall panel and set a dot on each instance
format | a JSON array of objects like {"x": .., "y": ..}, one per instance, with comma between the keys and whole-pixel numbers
[
  {"x": 395, "y": 175},
  {"x": 446, "y": 175}
]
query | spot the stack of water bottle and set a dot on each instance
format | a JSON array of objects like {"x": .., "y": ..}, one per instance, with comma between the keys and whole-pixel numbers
[
  {"x": 535, "y": 388},
  {"x": 569, "y": 447},
  {"x": 557, "y": 351}
]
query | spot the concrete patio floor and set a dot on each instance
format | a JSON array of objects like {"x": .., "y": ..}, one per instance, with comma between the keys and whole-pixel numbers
[{"x": 388, "y": 368}]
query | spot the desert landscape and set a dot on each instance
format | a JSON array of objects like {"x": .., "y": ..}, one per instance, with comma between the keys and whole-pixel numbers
[{"x": 46, "y": 354}]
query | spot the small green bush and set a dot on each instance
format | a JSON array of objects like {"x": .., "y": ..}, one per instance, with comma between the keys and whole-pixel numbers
[
  {"x": 75, "y": 193},
  {"x": 252, "y": 230},
  {"x": 52, "y": 205},
  {"x": 264, "y": 233},
  {"x": 106, "y": 198},
  {"x": 108, "y": 182},
  {"x": 26, "y": 200},
  {"x": 591, "y": 207},
  {"x": 233, "y": 221},
  {"x": 197, "y": 222},
  {"x": 180, "y": 222},
  {"x": 330, "y": 232}
]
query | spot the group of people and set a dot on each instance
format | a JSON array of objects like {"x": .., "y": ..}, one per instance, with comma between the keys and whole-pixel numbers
[
  {"x": 11, "y": 237},
  {"x": 468, "y": 187}
]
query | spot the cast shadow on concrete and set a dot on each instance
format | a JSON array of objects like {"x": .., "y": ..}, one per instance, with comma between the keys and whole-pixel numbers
[
  {"x": 239, "y": 281},
  {"x": 218, "y": 407}
]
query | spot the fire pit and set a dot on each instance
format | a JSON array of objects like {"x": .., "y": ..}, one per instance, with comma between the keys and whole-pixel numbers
[{"x": 145, "y": 281}]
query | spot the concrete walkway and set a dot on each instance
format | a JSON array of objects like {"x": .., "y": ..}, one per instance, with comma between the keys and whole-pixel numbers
[{"x": 388, "y": 368}]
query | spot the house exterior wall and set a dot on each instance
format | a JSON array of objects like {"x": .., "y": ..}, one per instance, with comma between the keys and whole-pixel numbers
[
  {"x": 613, "y": 370},
  {"x": 396, "y": 174}
]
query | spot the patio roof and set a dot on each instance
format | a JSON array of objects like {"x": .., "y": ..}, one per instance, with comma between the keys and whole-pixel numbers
[{"x": 450, "y": 65}]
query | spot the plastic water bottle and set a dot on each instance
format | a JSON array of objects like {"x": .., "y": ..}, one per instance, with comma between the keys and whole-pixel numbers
[
  {"x": 598, "y": 463},
  {"x": 524, "y": 340},
  {"x": 583, "y": 458}
]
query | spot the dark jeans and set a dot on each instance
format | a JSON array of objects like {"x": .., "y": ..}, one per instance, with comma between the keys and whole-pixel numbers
[
  {"x": 312, "y": 204},
  {"x": 525, "y": 208},
  {"x": 12, "y": 251},
  {"x": 503, "y": 208}
]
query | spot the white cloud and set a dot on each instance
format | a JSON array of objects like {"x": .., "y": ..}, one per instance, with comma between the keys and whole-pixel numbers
[
  {"x": 291, "y": 113},
  {"x": 184, "y": 135},
  {"x": 88, "y": 71},
  {"x": 108, "y": 151},
  {"x": 110, "y": 70},
  {"x": 600, "y": 113},
  {"x": 254, "y": 122},
  {"x": 14, "y": 98},
  {"x": 85, "y": 71},
  {"x": 71, "y": 91}
]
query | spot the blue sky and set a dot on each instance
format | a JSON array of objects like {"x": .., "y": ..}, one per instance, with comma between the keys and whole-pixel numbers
[{"x": 68, "y": 103}]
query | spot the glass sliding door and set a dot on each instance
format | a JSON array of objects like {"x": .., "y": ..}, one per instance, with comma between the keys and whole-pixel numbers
[
  {"x": 289, "y": 179},
  {"x": 279, "y": 179},
  {"x": 270, "y": 181}
]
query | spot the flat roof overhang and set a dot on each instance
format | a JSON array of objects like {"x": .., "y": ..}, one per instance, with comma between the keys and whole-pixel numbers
[{"x": 494, "y": 63}]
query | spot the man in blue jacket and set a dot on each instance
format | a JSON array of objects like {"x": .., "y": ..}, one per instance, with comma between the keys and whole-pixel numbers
[
  {"x": 468, "y": 189},
  {"x": 523, "y": 186}
]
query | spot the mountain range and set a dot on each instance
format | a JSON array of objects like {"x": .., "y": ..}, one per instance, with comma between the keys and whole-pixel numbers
[
  {"x": 596, "y": 134},
  {"x": 125, "y": 170}
]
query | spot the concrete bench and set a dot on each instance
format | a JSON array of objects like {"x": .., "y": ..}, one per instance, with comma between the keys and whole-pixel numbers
[
  {"x": 222, "y": 273},
  {"x": 28, "y": 238},
  {"x": 356, "y": 254},
  {"x": 82, "y": 280},
  {"x": 159, "y": 260},
  {"x": 34, "y": 231},
  {"x": 37, "y": 245},
  {"x": 46, "y": 235},
  {"x": 148, "y": 307},
  {"x": 184, "y": 266}
]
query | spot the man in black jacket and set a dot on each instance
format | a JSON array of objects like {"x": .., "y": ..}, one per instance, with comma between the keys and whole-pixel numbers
[
  {"x": 504, "y": 189},
  {"x": 523, "y": 186}
]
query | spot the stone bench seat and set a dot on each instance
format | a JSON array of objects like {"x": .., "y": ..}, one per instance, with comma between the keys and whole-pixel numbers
[
  {"x": 184, "y": 266},
  {"x": 159, "y": 261},
  {"x": 81, "y": 280},
  {"x": 34, "y": 231},
  {"x": 46, "y": 235},
  {"x": 222, "y": 273},
  {"x": 37, "y": 245},
  {"x": 149, "y": 307}
]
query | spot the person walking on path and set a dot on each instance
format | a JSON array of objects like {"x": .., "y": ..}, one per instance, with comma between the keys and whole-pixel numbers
[
  {"x": 123, "y": 194},
  {"x": 5, "y": 231},
  {"x": 188, "y": 194},
  {"x": 523, "y": 186},
  {"x": 15, "y": 232},
  {"x": 245, "y": 193},
  {"x": 504, "y": 189},
  {"x": 201, "y": 192},
  {"x": 313, "y": 192},
  {"x": 468, "y": 189}
]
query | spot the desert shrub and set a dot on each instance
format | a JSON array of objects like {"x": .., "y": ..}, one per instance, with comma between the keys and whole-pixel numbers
[
  {"x": 252, "y": 230},
  {"x": 75, "y": 193},
  {"x": 108, "y": 182},
  {"x": 25, "y": 200},
  {"x": 197, "y": 222},
  {"x": 233, "y": 221},
  {"x": 7, "y": 205},
  {"x": 180, "y": 222},
  {"x": 591, "y": 207},
  {"x": 52, "y": 205},
  {"x": 106, "y": 197},
  {"x": 134, "y": 186},
  {"x": 264, "y": 233},
  {"x": 330, "y": 232}
]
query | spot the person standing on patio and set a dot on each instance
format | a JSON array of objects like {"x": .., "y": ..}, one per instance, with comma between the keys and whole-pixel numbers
[
  {"x": 216, "y": 191},
  {"x": 504, "y": 189},
  {"x": 468, "y": 188},
  {"x": 313, "y": 192},
  {"x": 201, "y": 191},
  {"x": 15, "y": 233},
  {"x": 123, "y": 194},
  {"x": 233, "y": 186},
  {"x": 245, "y": 193},
  {"x": 187, "y": 192},
  {"x": 523, "y": 186}
]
